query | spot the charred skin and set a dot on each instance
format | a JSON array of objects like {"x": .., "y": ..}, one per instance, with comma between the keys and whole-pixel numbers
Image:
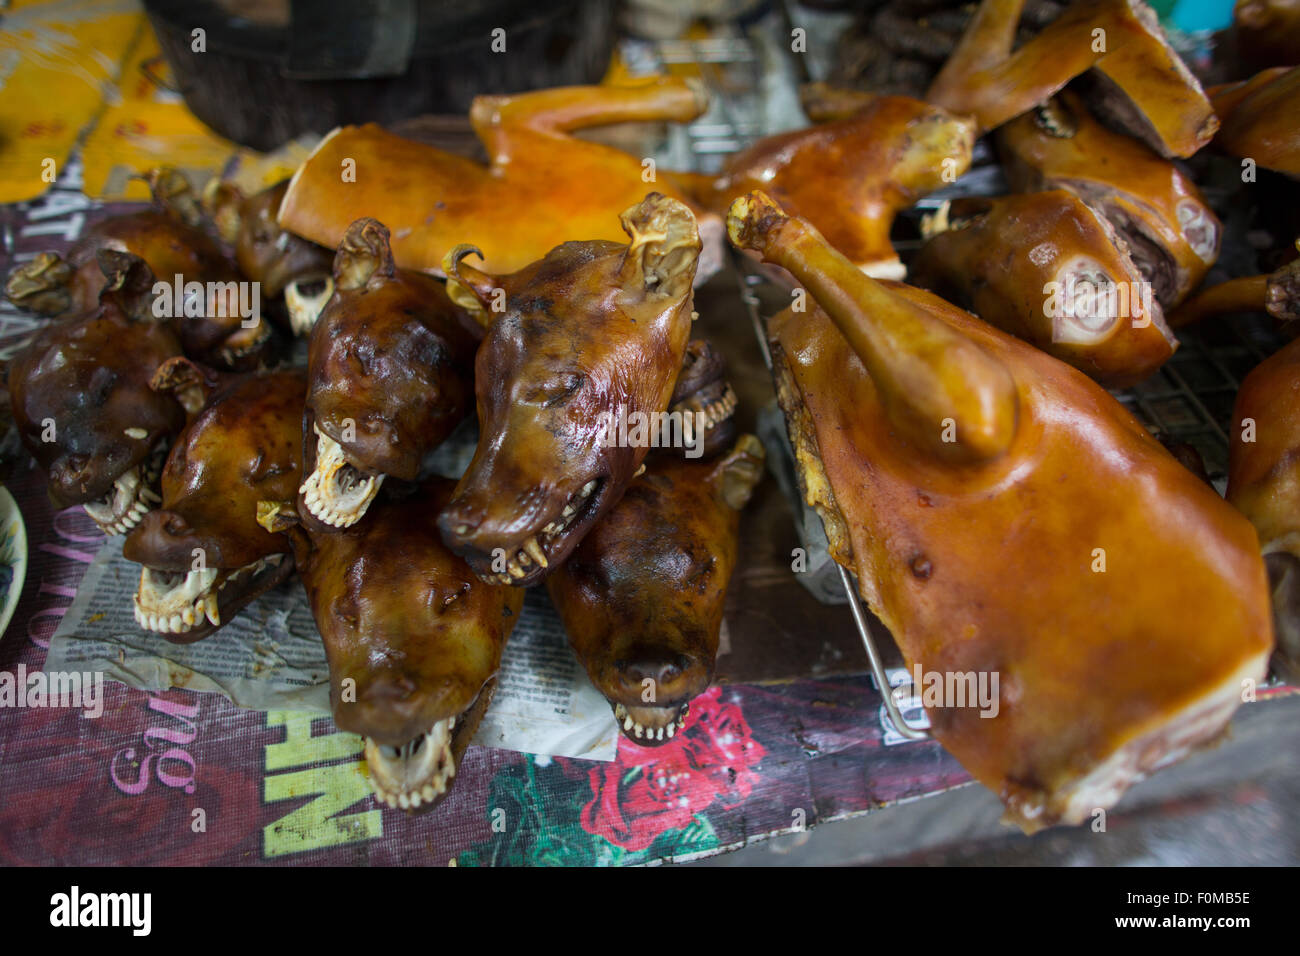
[
  {"x": 1137, "y": 81},
  {"x": 642, "y": 596},
  {"x": 1258, "y": 117},
  {"x": 168, "y": 240},
  {"x": 389, "y": 377},
  {"x": 1264, "y": 484},
  {"x": 244, "y": 447},
  {"x": 851, "y": 176},
  {"x": 1169, "y": 228},
  {"x": 591, "y": 328},
  {"x": 418, "y": 634},
  {"x": 990, "y": 567},
  {"x": 1029, "y": 264},
  {"x": 88, "y": 378},
  {"x": 542, "y": 186}
]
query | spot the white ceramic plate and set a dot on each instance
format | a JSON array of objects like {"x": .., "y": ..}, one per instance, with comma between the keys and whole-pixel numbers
[{"x": 13, "y": 556}]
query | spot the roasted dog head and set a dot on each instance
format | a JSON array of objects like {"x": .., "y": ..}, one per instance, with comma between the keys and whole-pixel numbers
[
  {"x": 642, "y": 595},
  {"x": 285, "y": 264},
  {"x": 204, "y": 554},
  {"x": 414, "y": 639},
  {"x": 593, "y": 330},
  {"x": 703, "y": 397},
  {"x": 389, "y": 377},
  {"x": 166, "y": 236},
  {"x": 82, "y": 402}
]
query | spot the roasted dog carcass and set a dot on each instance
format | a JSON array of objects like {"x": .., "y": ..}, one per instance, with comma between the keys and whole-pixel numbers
[
  {"x": 1137, "y": 81},
  {"x": 1051, "y": 269},
  {"x": 413, "y": 638},
  {"x": 204, "y": 554},
  {"x": 541, "y": 187},
  {"x": 286, "y": 265},
  {"x": 1117, "y": 600},
  {"x": 83, "y": 406},
  {"x": 593, "y": 332},
  {"x": 389, "y": 377},
  {"x": 851, "y": 176},
  {"x": 209, "y": 323},
  {"x": 642, "y": 596},
  {"x": 1165, "y": 222}
]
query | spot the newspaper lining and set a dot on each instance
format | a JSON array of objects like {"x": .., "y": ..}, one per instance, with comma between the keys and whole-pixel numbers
[{"x": 270, "y": 657}]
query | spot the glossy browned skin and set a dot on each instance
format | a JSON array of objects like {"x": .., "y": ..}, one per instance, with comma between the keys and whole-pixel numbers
[
  {"x": 642, "y": 596},
  {"x": 90, "y": 375},
  {"x": 592, "y": 327},
  {"x": 1259, "y": 119},
  {"x": 1170, "y": 230},
  {"x": 988, "y": 568},
  {"x": 1002, "y": 258},
  {"x": 1141, "y": 81},
  {"x": 1264, "y": 473},
  {"x": 851, "y": 176},
  {"x": 244, "y": 447},
  {"x": 390, "y": 353},
  {"x": 1264, "y": 483},
  {"x": 264, "y": 251},
  {"x": 404, "y": 618},
  {"x": 541, "y": 187}
]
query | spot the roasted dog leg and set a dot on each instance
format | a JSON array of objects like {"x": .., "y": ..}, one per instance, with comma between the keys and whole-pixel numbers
[
  {"x": 1168, "y": 227},
  {"x": 642, "y": 596},
  {"x": 1278, "y": 294},
  {"x": 412, "y": 637},
  {"x": 1139, "y": 82},
  {"x": 594, "y": 332},
  {"x": 83, "y": 406},
  {"x": 1050, "y": 269},
  {"x": 204, "y": 554},
  {"x": 1109, "y": 604},
  {"x": 541, "y": 187},
  {"x": 390, "y": 369},
  {"x": 850, "y": 177}
]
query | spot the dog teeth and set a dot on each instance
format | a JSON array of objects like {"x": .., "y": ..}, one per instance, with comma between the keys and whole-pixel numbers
[
  {"x": 534, "y": 550},
  {"x": 588, "y": 488},
  {"x": 516, "y": 571},
  {"x": 670, "y": 730}
]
